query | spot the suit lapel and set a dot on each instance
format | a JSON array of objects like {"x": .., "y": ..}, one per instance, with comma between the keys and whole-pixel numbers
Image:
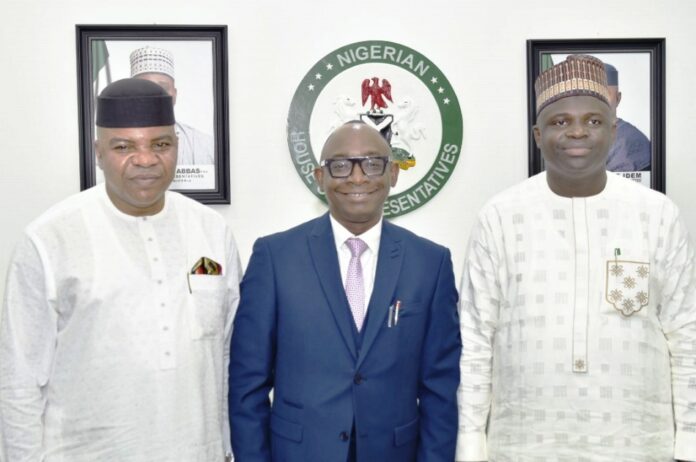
[
  {"x": 323, "y": 250},
  {"x": 389, "y": 262}
]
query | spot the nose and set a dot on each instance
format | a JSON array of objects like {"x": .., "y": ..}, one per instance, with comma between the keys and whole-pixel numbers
[
  {"x": 357, "y": 175},
  {"x": 144, "y": 157},
  {"x": 576, "y": 130}
]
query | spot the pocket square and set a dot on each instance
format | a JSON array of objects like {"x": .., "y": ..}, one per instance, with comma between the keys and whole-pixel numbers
[{"x": 206, "y": 265}]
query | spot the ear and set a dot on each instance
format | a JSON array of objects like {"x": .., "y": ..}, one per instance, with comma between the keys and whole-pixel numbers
[
  {"x": 174, "y": 97},
  {"x": 394, "y": 171},
  {"x": 618, "y": 97},
  {"x": 319, "y": 178},
  {"x": 98, "y": 154},
  {"x": 537, "y": 135}
]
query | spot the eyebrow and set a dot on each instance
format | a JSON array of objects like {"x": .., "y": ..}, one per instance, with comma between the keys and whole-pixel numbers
[
  {"x": 163, "y": 137},
  {"x": 117, "y": 140},
  {"x": 347, "y": 156},
  {"x": 113, "y": 141},
  {"x": 568, "y": 114}
]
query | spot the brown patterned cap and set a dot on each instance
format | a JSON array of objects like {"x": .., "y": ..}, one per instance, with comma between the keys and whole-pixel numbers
[{"x": 578, "y": 75}]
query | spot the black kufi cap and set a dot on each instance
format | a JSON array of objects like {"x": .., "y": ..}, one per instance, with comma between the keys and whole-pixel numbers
[{"x": 134, "y": 103}]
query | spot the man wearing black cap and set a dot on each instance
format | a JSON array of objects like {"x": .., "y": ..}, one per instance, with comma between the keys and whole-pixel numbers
[
  {"x": 118, "y": 308},
  {"x": 578, "y": 302},
  {"x": 631, "y": 149}
]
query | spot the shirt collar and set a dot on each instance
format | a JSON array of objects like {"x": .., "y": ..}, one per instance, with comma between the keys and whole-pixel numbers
[
  {"x": 612, "y": 179},
  {"x": 124, "y": 216},
  {"x": 371, "y": 237}
]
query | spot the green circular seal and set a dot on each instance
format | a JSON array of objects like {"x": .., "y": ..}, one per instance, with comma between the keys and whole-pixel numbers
[{"x": 398, "y": 91}]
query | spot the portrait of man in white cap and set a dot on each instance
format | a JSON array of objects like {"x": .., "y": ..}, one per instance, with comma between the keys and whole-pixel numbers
[{"x": 157, "y": 65}]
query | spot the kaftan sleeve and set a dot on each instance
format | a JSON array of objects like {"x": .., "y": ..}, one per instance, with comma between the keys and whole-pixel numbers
[
  {"x": 234, "y": 276},
  {"x": 677, "y": 312},
  {"x": 480, "y": 297},
  {"x": 28, "y": 330}
]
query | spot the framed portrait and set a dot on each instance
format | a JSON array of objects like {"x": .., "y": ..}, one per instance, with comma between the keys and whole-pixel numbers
[
  {"x": 190, "y": 63},
  {"x": 636, "y": 78}
]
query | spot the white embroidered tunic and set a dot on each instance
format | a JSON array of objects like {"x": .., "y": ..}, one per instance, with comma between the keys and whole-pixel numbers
[
  {"x": 109, "y": 348},
  {"x": 578, "y": 321}
]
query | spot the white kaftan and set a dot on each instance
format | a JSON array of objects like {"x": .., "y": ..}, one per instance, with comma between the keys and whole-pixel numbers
[
  {"x": 110, "y": 350},
  {"x": 578, "y": 322}
]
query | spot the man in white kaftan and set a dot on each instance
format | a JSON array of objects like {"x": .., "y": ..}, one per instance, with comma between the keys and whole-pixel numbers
[
  {"x": 115, "y": 330},
  {"x": 578, "y": 309}
]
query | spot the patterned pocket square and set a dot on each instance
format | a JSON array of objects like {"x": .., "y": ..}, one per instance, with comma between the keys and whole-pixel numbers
[{"x": 205, "y": 265}]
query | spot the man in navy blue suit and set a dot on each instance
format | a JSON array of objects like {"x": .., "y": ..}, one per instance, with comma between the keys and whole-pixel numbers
[{"x": 352, "y": 322}]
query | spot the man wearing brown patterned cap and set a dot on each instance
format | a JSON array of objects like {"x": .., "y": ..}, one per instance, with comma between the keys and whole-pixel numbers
[{"x": 578, "y": 302}]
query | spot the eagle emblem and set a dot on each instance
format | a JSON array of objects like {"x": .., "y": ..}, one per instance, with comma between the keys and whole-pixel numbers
[{"x": 377, "y": 93}]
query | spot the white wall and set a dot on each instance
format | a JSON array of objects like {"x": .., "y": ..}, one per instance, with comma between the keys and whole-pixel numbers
[{"x": 479, "y": 45}]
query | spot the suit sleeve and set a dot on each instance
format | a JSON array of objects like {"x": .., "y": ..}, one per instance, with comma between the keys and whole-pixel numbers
[
  {"x": 28, "y": 330},
  {"x": 479, "y": 303},
  {"x": 252, "y": 358},
  {"x": 677, "y": 301},
  {"x": 439, "y": 368}
]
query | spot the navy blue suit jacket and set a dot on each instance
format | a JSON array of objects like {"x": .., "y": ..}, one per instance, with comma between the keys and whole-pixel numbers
[{"x": 293, "y": 333}]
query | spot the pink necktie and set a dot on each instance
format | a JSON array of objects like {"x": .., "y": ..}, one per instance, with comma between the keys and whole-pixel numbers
[{"x": 355, "y": 288}]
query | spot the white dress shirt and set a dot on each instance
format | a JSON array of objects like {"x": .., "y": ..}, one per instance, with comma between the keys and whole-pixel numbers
[
  {"x": 368, "y": 259},
  {"x": 578, "y": 322},
  {"x": 110, "y": 350}
]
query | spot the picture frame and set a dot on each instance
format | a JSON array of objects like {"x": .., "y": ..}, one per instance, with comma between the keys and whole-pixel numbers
[
  {"x": 200, "y": 78},
  {"x": 640, "y": 63}
]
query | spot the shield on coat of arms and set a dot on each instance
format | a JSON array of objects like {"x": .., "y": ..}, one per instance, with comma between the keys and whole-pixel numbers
[{"x": 627, "y": 287}]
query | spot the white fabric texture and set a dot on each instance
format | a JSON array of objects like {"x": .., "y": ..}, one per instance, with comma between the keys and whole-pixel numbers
[
  {"x": 578, "y": 322},
  {"x": 105, "y": 352}
]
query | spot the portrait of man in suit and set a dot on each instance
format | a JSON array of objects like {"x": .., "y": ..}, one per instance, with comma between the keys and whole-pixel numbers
[{"x": 352, "y": 323}]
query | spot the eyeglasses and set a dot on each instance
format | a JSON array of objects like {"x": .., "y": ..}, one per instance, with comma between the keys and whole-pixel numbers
[{"x": 342, "y": 167}]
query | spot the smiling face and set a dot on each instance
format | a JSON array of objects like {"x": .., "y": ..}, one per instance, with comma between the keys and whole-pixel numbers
[
  {"x": 138, "y": 164},
  {"x": 356, "y": 201},
  {"x": 574, "y": 135}
]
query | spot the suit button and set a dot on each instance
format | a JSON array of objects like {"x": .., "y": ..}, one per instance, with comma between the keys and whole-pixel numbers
[
  {"x": 344, "y": 436},
  {"x": 357, "y": 379}
]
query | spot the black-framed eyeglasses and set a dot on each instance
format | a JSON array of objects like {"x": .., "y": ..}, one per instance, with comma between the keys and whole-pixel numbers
[{"x": 342, "y": 167}]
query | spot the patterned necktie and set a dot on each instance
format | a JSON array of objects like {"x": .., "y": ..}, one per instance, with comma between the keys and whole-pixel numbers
[{"x": 355, "y": 287}]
